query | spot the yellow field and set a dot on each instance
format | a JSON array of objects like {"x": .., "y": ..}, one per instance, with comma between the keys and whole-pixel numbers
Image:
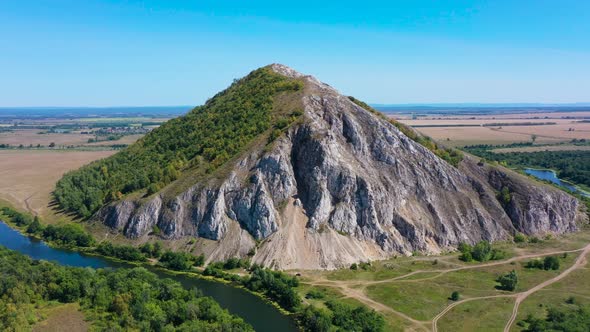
[
  {"x": 564, "y": 130},
  {"x": 32, "y": 136},
  {"x": 27, "y": 177}
]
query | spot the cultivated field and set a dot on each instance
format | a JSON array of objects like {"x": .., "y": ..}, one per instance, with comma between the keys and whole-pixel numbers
[
  {"x": 457, "y": 132},
  {"x": 27, "y": 177},
  {"x": 32, "y": 136}
]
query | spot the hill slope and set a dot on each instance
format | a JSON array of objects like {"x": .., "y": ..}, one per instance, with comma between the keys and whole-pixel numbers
[{"x": 316, "y": 181}]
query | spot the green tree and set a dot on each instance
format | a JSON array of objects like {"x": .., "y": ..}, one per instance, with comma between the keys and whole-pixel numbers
[
  {"x": 551, "y": 263},
  {"x": 482, "y": 251},
  {"x": 508, "y": 281},
  {"x": 455, "y": 296},
  {"x": 315, "y": 319}
]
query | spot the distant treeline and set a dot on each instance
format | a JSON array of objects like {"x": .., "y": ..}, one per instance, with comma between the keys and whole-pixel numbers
[
  {"x": 494, "y": 124},
  {"x": 573, "y": 166}
]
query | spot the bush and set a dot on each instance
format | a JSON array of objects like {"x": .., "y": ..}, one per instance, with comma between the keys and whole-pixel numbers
[
  {"x": 277, "y": 285},
  {"x": 455, "y": 296},
  {"x": 352, "y": 318},
  {"x": 534, "y": 264},
  {"x": 504, "y": 196},
  {"x": 570, "y": 318},
  {"x": 551, "y": 263},
  {"x": 534, "y": 239},
  {"x": 153, "y": 250},
  {"x": 508, "y": 281},
  {"x": 180, "y": 261},
  {"x": 124, "y": 252},
  {"x": 365, "y": 265},
  {"x": 35, "y": 226},
  {"x": 315, "y": 294},
  {"x": 315, "y": 319},
  {"x": 68, "y": 235},
  {"x": 481, "y": 252},
  {"x": 520, "y": 238}
]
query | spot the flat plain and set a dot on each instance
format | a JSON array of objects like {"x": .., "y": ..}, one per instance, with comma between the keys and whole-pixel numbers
[
  {"x": 27, "y": 137},
  {"x": 27, "y": 177},
  {"x": 548, "y": 128}
]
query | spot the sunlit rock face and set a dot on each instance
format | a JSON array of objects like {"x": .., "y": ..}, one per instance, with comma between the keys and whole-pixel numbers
[{"x": 345, "y": 185}]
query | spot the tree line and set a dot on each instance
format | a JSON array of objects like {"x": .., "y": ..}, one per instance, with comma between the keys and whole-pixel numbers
[
  {"x": 573, "y": 166},
  {"x": 114, "y": 300},
  {"x": 277, "y": 286}
]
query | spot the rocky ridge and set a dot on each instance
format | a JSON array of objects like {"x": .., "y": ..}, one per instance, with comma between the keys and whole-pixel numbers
[{"x": 344, "y": 185}]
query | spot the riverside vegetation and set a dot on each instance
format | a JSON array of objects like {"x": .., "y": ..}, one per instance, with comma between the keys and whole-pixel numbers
[
  {"x": 113, "y": 300},
  {"x": 118, "y": 309},
  {"x": 573, "y": 166}
]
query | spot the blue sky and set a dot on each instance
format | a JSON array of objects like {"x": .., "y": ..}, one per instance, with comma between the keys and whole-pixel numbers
[{"x": 121, "y": 53}]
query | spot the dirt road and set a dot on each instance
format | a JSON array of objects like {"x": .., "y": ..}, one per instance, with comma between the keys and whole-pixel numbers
[
  {"x": 581, "y": 261},
  {"x": 347, "y": 289}
]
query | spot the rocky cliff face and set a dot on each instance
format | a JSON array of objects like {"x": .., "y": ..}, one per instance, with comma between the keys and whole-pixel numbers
[{"x": 344, "y": 185}]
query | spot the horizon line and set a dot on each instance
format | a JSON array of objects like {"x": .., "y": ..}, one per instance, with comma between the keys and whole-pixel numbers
[{"x": 429, "y": 104}]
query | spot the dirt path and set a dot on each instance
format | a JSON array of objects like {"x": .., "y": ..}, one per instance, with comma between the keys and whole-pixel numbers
[
  {"x": 28, "y": 205},
  {"x": 447, "y": 309},
  {"x": 581, "y": 261},
  {"x": 441, "y": 272},
  {"x": 358, "y": 294}
]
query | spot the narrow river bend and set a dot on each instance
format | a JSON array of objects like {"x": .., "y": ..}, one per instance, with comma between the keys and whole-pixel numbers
[{"x": 261, "y": 315}]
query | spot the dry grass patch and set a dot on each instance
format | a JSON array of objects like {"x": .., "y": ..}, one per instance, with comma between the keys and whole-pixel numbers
[
  {"x": 27, "y": 177},
  {"x": 32, "y": 136},
  {"x": 477, "y": 315},
  {"x": 66, "y": 317}
]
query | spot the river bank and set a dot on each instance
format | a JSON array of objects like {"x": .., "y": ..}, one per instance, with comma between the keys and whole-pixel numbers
[
  {"x": 551, "y": 176},
  {"x": 253, "y": 307}
]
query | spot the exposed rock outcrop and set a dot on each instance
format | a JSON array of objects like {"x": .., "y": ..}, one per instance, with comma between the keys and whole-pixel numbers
[{"x": 344, "y": 185}]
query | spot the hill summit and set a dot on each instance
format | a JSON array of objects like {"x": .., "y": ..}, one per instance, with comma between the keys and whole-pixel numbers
[{"x": 283, "y": 168}]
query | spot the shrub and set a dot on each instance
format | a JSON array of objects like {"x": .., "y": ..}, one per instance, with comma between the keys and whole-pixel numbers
[
  {"x": 508, "y": 281},
  {"x": 551, "y": 263},
  {"x": 520, "y": 238},
  {"x": 315, "y": 294},
  {"x": 315, "y": 319},
  {"x": 180, "y": 261}
]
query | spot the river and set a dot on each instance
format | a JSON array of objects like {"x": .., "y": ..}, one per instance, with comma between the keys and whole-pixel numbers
[
  {"x": 549, "y": 175},
  {"x": 258, "y": 313}
]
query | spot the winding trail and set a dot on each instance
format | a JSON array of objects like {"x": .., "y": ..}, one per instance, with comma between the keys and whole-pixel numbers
[
  {"x": 28, "y": 205},
  {"x": 447, "y": 309},
  {"x": 346, "y": 287},
  {"x": 581, "y": 261}
]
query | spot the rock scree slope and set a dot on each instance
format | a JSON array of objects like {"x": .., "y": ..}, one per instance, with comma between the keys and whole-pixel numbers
[{"x": 337, "y": 184}]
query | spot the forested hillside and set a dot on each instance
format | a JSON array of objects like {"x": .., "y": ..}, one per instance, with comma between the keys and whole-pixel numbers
[
  {"x": 112, "y": 300},
  {"x": 206, "y": 137}
]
